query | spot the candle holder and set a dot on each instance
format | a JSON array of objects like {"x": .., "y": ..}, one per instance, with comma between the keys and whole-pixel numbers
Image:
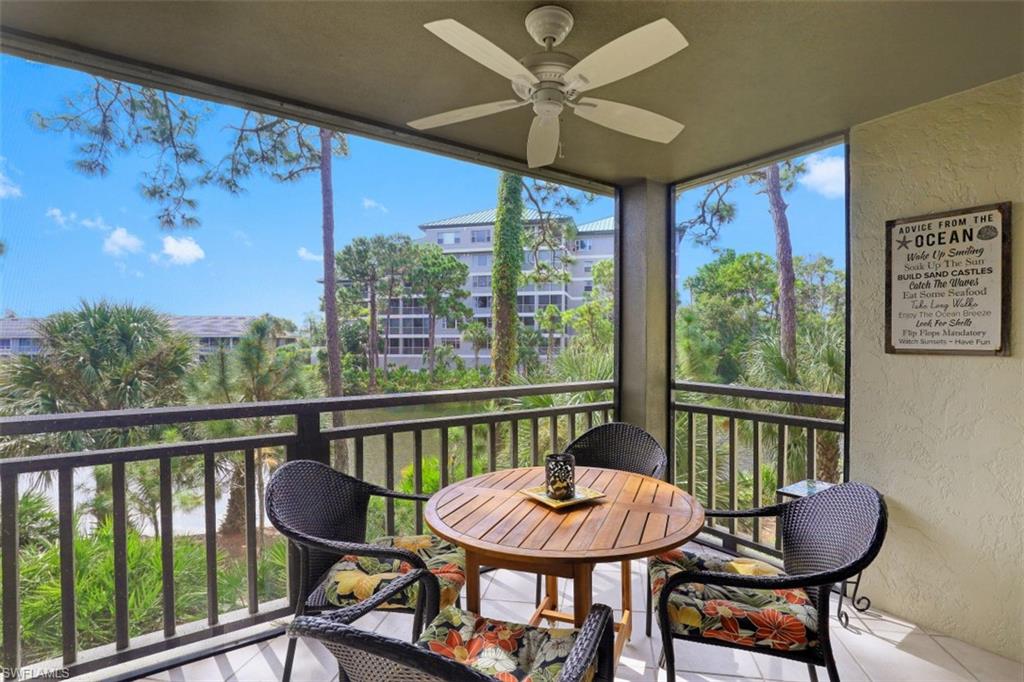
[{"x": 560, "y": 476}]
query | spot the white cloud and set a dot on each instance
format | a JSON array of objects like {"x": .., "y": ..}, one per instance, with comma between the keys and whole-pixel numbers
[
  {"x": 825, "y": 175},
  {"x": 61, "y": 218},
  {"x": 181, "y": 251},
  {"x": 243, "y": 237},
  {"x": 8, "y": 188},
  {"x": 120, "y": 241},
  {"x": 306, "y": 254},
  {"x": 373, "y": 205},
  {"x": 97, "y": 223}
]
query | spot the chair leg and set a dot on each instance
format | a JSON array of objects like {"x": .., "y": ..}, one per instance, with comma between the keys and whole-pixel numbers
[
  {"x": 830, "y": 664},
  {"x": 537, "y": 596},
  {"x": 813, "y": 671},
  {"x": 417, "y": 625},
  {"x": 649, "y": 604},
  {"x": 289, "y": 659},
  {"x": 667, "y": 651}
]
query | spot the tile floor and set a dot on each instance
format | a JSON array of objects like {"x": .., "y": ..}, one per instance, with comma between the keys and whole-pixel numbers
[{"x": 876, "y": 648}]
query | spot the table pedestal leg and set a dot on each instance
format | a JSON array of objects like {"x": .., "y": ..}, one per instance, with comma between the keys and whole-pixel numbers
[
  {"x": 472, "y": 583},
  {"x": 582, "y": 587}
]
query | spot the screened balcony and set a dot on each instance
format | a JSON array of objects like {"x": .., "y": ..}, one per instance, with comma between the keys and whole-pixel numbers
[{"x": 895, "y": 110}]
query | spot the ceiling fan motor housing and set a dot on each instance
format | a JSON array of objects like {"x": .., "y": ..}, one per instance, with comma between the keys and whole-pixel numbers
[{"x": 550, "y": 69}]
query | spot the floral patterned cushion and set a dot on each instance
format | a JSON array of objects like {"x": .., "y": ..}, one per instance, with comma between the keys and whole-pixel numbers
[
  {"x": 354, "y": 578},
  {"x": 508, "y": 652},
  {"x": 779, "y": 619}
]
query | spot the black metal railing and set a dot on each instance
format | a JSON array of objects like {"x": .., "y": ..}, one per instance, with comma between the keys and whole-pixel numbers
[
  {"x": 515, "y": 435},
  {"x": 734, "y": 446}
]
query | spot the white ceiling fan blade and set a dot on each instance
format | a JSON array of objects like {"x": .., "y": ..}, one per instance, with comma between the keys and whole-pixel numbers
[
  {"x": 628, "y": 119},
  {"x": 626, "y": 55},
  {"x": 542, "y": 145},
  {"x": 464, "y": 114},
  {"x": 475, "y": 46}
]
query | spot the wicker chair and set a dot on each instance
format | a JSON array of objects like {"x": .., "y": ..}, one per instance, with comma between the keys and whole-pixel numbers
[
  {"x": 624, "y": 447},
  {"x": 826, "y": 538},
  {"x": 367, "y": 657},
  {"x": 323, "y": 512}
]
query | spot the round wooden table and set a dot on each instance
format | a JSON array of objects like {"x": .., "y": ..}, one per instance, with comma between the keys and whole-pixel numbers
[{"x": 499, "y": 526}]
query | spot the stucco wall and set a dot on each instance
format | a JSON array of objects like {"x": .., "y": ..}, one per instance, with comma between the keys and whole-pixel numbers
[{"x": 941, "y": 436}]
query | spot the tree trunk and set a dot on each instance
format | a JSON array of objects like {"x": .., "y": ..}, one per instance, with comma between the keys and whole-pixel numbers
[
  {"x": 431, "y": 318},
  {"x": 372, "y": 369},
  {"x": 551, "y": 345},
  {"x": 234, "y": 515},
  {"x": 784, "y": 257},
  {"x": 387, "y": 338},
  {"x": 476, "y": 358},
  {"x": 334, "y": 387},
  {"x": 505, "y": 273}
]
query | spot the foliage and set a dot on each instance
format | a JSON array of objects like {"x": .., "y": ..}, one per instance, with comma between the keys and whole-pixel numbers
[
  {"x": 505, "y": 275},
  {"x": 592, "y": 321},
  {"x": 549, "y": 320},
  {"x": 94, "y": 586},
  {"x": 115, "y": 116},
  {"x": 437, "y": 278},
  {"x": 479, "y": 336}
]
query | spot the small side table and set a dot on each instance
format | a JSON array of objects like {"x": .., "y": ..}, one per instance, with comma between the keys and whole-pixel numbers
[{"x": 860, "y": 603}]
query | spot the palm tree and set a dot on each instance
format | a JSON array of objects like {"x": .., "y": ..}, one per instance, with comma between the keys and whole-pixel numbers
[
  {"x": 477, "y": 335},
  {"x": 102, "y": 356},
  {"x": 256, "y": 370},
  {"x": 820, "y": 368},
  {"x": 549, "y": 319}
]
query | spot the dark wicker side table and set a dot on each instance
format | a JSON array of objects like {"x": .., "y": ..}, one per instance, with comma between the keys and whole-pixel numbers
[{"x": 860, "y": 603}]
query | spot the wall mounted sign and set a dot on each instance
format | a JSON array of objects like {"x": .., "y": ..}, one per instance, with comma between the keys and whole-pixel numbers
[{"x": 947, "y": 286}]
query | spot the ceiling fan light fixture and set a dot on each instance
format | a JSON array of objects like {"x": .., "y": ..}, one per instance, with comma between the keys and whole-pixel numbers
[{"x": 551, "y": 80}]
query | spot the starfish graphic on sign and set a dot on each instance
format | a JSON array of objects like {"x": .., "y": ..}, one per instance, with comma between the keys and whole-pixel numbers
[{"x": 903, "y": 243}]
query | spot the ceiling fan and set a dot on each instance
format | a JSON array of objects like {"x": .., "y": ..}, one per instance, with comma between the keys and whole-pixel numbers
[{"x": 551, "y": 81}]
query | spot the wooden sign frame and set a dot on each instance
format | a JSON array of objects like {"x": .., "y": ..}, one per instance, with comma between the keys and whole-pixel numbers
[{"x": 1005, "y": 243}]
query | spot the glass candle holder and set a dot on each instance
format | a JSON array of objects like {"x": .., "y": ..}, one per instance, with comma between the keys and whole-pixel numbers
[{"x": 560, "y": 476}]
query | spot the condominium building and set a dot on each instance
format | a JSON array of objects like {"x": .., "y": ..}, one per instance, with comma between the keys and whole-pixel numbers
[
  {"x": 469, "y": 238},
  {"x": 20, "y": 335}
]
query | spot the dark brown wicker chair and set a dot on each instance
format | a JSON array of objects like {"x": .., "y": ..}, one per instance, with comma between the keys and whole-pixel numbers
[
  {"x": 323, "y": 512},
  {"x": 826, "y": 538},
  {"x": 623, "y": 447},
  {"x": 367, "y": 657}
]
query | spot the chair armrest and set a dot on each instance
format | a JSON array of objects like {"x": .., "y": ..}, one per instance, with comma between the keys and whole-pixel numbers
[
  {"x": 772, "y": 510},
  {"x": 430, "y": 590},
  {"x": 595, "y": 642},
  {"x": 385, "y": 492},
  {"x": 357, "y": 548}
]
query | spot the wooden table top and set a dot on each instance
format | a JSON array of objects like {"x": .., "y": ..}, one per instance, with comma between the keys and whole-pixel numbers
[{"x": 639, "y": 516}]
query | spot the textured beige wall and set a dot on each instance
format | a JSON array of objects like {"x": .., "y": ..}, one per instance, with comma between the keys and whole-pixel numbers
[{"x": 942, "y": 437}]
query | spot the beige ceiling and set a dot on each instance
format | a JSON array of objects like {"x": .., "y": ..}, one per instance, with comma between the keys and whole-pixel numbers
[{"x": 756, "y": 78}]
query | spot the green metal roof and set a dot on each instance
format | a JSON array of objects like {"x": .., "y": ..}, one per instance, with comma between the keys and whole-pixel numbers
[
  {"x": 488, "y": 216},
  {"x": 485, "y": 217},
  {"x": 602, "y": 225}
]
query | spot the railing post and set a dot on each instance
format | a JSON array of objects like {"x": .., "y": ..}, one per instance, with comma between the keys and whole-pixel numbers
[
  {"x": 310, "y": 443},
  {"x": 11, "y": 601}
]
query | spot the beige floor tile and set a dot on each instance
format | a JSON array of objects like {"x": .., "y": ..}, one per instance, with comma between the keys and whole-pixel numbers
[
  {"x": 983, "y": 664},
  {"x": 911, "y": 657},
  {"x": 313, "y": 663}
]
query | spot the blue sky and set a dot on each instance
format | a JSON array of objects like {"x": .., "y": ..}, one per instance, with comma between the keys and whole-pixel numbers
[
  {"x": 816, "y": 213},
  {"x": 72, "y": 237}
]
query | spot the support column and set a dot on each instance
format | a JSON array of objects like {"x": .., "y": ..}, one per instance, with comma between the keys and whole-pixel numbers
[{"x": 644, "y": 291}]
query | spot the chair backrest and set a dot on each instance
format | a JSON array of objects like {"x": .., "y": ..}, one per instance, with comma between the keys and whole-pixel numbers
[
  {"x": 367, "y": 657},
  {"x": 838, "y": 531},
  {"x": 308, "y": 499},
  {"x": 621, "y": 446}
]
